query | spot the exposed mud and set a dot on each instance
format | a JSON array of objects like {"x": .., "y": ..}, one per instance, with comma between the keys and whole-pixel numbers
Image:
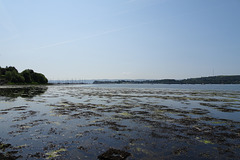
[
  {"x": 114, "y": 154},
  {"x": 80, "y": 122}
]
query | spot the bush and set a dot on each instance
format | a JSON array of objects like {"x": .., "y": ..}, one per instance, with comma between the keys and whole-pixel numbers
[
  {"x": 31, "y": 77},
  {"x": 28, "y": 76}
]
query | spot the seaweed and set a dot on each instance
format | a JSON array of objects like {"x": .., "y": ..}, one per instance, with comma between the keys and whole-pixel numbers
[
  {"x": 114, "y": 154},
  {"x": 55, "y": 153},
  {"x": 72, "y": 122}
]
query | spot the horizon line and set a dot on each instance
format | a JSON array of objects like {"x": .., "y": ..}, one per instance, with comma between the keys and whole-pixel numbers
[{"x": 90, "y": 79}]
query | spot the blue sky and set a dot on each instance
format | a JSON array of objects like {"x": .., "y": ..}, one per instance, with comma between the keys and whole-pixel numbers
[{"x": 121, "y": 39}]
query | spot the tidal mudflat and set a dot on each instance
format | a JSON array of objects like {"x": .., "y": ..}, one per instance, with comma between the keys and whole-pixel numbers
[{"x": 95, "y": 122}]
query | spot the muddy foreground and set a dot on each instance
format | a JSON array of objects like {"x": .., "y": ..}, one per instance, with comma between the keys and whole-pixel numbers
[{"x": 81, "y": 122}]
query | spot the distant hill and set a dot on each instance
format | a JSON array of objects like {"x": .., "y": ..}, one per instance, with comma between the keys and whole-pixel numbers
[
  {"x": 10, "y": 75},
  {"x": 231, "y": 79}
]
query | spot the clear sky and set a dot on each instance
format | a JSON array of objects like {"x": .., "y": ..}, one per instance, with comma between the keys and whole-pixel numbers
[{"x": 121, "y": 39}]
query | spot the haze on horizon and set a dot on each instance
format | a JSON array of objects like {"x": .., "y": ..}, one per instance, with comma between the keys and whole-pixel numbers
[{"x": 125, "y": 39}]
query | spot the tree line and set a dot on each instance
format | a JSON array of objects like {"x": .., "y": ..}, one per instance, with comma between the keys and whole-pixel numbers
[
  {"x": 235, "y": 79},
  {"x": 10, "y": 75}
]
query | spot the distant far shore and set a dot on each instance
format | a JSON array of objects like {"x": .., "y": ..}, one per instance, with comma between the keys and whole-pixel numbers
[{"x": 231, "y": 79}]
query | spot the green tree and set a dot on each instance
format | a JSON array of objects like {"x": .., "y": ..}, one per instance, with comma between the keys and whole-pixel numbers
[
  {"x": 14, "y": 75},
  {"x": 8, "y": 76},
  {"x": 39, "y": 78},
  {"x": 10, "y": 68},
  {"x": 27, "y": 75},
  {"x": 11, "y": 75},
  {"x": 32, "y": 77}
]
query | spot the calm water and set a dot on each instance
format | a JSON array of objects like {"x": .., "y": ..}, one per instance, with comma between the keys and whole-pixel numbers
[
  {"x": 223, "y": 87},
  {"x": 131, "y": 121}
]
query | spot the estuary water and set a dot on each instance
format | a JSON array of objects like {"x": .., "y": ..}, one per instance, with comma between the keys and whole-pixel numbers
[
  {"x": 221, "y": 87},
  {"x": 120, "y": 121}
]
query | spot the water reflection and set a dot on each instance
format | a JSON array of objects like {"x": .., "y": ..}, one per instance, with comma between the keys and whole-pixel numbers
[
  {"x": 11, "y": 92},
  {"x": 82, "y": 122}
]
